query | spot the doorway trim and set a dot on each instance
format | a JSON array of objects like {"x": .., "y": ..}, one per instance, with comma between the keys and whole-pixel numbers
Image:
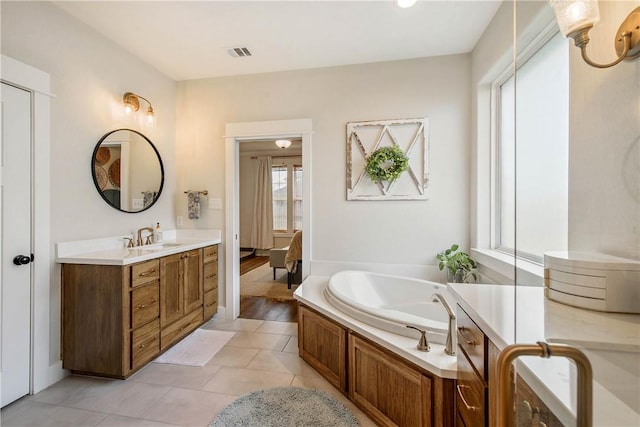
[
  {"x": 236, "y": 133},
  {"x": 43, "y": 372}
]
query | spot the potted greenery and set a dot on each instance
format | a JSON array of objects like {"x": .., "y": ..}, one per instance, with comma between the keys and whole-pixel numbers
[{"x": 460, "y": 267}]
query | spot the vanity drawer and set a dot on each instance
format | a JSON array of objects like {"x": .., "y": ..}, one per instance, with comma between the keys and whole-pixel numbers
[
  {"x": 145, "y": 344},
  {"x": 210, "y": 254},
  {"x": 144, "y": 304},
  {"x": 179, "y": 329},
  {"x": 472, "y": 340},
  {"x": 470, "y": 393},
  {"x": 145, "y": 272},
  {"x": 210, "y": 276},
  {"x": 210, "y": 303}
]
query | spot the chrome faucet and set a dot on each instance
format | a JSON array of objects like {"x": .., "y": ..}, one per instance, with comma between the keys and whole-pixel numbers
[
  {"x": 452, "y": 340},
  {"x": 148, "y": 240}
]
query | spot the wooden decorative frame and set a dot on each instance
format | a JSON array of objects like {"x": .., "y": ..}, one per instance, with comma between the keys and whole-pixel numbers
[{"x": 411, "y": 135}]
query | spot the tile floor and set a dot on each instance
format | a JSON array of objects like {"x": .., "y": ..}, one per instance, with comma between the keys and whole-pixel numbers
[{"x": 262, "y": 354}]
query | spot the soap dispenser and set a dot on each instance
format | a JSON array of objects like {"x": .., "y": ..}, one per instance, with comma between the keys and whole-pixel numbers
[{"x": 157, "y": 233}]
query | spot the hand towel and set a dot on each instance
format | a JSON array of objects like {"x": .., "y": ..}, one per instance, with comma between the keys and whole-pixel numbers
[{"x": 194, "y": 204}]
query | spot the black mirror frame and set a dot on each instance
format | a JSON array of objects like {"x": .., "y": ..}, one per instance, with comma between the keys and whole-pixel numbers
[{"x": 95, "y": 179}]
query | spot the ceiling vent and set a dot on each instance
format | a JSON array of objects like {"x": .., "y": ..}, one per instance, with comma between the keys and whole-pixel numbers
[{"x": 238, "y": 52}]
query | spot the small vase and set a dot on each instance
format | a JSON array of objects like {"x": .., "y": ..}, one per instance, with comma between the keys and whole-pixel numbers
[{"x": 455, "y": 278}]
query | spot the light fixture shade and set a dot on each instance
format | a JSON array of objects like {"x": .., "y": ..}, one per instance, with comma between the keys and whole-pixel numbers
[
  {"x": 150, "y": 118},
  {"x": 575, "y": 15},
  {"x": 283, "y": 143}
]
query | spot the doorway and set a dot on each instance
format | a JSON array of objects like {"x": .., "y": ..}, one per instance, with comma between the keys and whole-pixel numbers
[
  {"x": 236, "y": 134},
  {"x": 45, "y": 367}
]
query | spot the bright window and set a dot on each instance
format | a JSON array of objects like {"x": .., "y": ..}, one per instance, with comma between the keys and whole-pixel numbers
[
  {"x": 287, "y": 197},
  {"x": 531, "y": 156}
]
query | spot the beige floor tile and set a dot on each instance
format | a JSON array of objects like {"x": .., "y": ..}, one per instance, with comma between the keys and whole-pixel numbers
[
  {"x": 46, "y": 415},
  {"x": 194, "y": 377},
  {"x": 129, "y": 398},
  {"x": 120, "y": 421},
  {"x": 292, "y": 346},
  {"x": 221, "y": 324},
  {"x": 235, "y": 357},
  {"x": 188, "y": 407},
  {"x": 287, "y": 363},
  {"x": 259, "y": 341},
  {"x": 281, "y": 328},
  {"x": 63, "y": 389},
  {"x": 239, "y": 381}
]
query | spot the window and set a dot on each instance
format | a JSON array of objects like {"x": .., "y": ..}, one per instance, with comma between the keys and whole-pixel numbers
[
  {"x": 530, "y": 205},
  {"x": 286, "y": 181},
  {"x": 279, "y": 191}
]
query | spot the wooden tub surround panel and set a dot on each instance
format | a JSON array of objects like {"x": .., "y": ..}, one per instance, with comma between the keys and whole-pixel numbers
[{"x": 389, "y": 389}]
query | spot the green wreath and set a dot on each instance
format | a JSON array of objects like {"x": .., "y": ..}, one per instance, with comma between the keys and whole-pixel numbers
[{"x": 386, "y": 164}]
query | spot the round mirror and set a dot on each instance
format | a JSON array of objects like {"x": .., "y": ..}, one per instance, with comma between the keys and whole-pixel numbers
[{"x": 127, "y": 170}]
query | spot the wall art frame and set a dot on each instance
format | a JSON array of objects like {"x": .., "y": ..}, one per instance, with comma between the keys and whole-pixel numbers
[{"x": 364, "y": 138}]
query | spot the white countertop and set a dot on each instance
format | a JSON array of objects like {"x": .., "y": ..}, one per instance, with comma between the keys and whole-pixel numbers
[
  {"x": 610, "y": 341},
  {"x": 113, "y": 250},
  {"x": 311, "y": 293}
]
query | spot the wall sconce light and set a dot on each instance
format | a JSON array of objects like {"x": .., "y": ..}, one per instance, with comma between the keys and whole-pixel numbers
[
  {"x": 283, "y": 143},
  {"x": 131, "y": 103},
  {"x": 576, "y": 17}
]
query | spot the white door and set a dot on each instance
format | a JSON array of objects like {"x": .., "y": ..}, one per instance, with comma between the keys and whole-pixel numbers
[{"x": 15, "y": 200}]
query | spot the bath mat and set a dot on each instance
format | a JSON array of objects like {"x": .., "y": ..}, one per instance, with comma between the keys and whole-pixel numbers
[
  {"x": 260, "y": 283},
  {"x": 286, "y": 406},
  {"x": 196, "y": 349}
]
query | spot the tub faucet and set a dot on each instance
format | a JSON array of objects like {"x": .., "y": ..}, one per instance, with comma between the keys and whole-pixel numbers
[
  {"x": 140, "y": 230},
  {"x": 450, "y": 346}
]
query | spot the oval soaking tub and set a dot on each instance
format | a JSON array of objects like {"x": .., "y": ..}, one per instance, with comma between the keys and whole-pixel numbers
[{"x": 391, "y": 302}]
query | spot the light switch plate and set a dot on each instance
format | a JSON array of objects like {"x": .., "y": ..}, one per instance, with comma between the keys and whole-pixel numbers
[{"x": 215, "y": 203}]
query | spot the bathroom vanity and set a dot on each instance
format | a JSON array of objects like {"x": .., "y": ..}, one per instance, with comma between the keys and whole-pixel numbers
[{"x": 122, "y": 307}]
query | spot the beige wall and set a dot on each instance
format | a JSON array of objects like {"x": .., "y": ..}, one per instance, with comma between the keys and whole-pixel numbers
[
  {"x": 392, "y": 232},
  {"x": 89, "y": 75}
]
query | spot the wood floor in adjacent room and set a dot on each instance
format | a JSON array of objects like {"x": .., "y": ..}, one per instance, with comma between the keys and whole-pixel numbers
[{"x": 261, "y": 308}]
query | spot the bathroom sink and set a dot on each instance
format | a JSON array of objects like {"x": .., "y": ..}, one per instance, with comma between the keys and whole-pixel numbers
[{"x": 159, "y": 246}]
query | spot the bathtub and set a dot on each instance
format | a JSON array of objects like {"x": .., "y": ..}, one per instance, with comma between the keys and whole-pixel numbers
[{"x": 391, "y": 303}]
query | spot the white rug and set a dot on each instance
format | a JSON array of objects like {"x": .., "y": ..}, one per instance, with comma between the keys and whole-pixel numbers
[{"x": 196, "y": 349}]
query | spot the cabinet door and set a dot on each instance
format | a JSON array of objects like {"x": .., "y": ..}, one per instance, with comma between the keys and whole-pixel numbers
[
  {"x": 193, "y": 293},
  {"x": 323, "y": 345},
  {"x": 171, "y": 289},
  {"x": 389, "y": 391}
]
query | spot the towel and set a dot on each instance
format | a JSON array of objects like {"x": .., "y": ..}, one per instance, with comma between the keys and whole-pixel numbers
[
  {"x": 194, "y": 204},
  {"x": 294, "y": 253},
  {"x": 149, "y": 197}
]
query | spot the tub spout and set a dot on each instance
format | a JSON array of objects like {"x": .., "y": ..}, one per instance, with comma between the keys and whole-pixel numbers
[{"x": 450, "y": 346}]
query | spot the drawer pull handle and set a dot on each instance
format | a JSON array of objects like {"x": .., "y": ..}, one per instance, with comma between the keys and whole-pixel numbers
[
  {"x": 146, "y": 305},
  {"x": 211, "y": 276},
  {"x": 213, "y": 303},
  {"x": 142, "y": 346},
  {"x": 459, "y": 387},
  {"x": 147, "y": 273},
  {"x": 467, "y": 340}
]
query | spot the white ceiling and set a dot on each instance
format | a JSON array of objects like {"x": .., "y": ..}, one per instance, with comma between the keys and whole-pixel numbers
[{"x": 188, "y": 39}]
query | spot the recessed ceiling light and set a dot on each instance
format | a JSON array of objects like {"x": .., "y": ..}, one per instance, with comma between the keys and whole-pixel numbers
[{"x": 405, "y": 3}]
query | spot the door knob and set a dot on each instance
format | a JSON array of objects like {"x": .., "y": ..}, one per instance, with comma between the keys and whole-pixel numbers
[{"x": 22, "y": 259}]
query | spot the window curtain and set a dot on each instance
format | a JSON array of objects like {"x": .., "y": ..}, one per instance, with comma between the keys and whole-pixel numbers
[{"x": 262, "y": 227}]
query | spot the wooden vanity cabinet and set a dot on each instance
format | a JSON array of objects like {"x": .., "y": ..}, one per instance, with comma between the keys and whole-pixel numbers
[
  {"x": 477, "y": 390},
  {"x": 115, "y": 319},
  {"x": 210, "y": 279},
  {"x": 390, "y": 390}
]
